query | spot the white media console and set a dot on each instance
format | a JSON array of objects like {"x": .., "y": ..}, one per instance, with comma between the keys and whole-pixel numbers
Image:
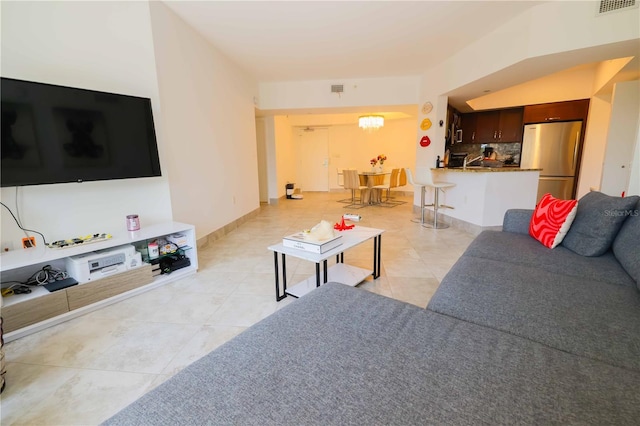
[{"x": 25, "y": 314}]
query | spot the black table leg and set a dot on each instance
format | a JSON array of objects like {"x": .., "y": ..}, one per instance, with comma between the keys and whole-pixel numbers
[
  {"x": 317, "y": 275},
  {"x": 324, "y": 266},
  {"x": 379, "y": 254},
  {"x": 284, "y": 274},
  {"x": 377, "y": 249},
  {"x": 279, "y": 297}
]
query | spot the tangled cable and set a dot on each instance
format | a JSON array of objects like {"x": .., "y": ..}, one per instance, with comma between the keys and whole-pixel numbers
[{"x": 46, "y": 275}]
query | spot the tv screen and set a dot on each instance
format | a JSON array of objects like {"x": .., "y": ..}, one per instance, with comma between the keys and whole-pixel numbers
[{"x": 57, "y": 134}]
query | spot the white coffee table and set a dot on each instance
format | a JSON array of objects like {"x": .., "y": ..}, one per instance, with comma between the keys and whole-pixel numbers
[{"x": 340, "y": 272}]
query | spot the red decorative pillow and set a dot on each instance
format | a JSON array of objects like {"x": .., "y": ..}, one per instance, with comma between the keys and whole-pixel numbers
[{"x": 552, "y": 219}]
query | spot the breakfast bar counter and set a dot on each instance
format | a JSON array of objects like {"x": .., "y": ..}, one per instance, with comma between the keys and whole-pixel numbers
[
  {"x": 482, "y": 195},
  {"x": 475, "y": 169}
]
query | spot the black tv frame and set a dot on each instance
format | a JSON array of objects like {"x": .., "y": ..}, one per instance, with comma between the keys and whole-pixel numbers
[{"x": 68, "y": 134}]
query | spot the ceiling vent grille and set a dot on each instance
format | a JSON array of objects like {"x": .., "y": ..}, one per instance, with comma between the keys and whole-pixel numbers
[
  {"x": 337, "y": 88},
  {"x": 607, "y": 6}
]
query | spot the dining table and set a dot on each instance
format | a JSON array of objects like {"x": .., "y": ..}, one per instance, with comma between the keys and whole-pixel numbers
[{"x": 370, "y": 179}]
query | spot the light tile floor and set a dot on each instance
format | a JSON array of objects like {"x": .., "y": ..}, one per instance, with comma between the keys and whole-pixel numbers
[{"x": 88, "y": 368}]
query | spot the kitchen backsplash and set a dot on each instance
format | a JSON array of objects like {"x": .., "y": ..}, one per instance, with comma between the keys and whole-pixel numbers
[{"x": 504, "y": 151}]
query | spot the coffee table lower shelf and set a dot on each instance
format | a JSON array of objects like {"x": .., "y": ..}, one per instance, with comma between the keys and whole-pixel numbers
[{"x": 340, "y": 272}]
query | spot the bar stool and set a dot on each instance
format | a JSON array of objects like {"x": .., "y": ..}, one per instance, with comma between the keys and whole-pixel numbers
[
  {"x": 423, "y": 174},
  {"x": 421, "y": 186},
  {"x": 425, "y": 179}
]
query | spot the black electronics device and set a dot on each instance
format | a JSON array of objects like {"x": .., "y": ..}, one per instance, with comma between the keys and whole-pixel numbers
[
  {"x": 456, "y": 159},
  {"x": 60, "y": 284},
  {"x": 56, "y": 134},
  {"x": 174, "y": 262}
]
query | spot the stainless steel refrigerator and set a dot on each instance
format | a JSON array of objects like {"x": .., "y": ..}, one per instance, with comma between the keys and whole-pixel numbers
[{"x": 554, "y": 148}]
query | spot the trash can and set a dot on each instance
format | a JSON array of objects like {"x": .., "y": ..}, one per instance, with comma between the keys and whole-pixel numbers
[{"x": 289, "y": 189}]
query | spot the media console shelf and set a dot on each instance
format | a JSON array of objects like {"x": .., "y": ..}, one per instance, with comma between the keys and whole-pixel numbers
[{"x": 25, "y": 314}]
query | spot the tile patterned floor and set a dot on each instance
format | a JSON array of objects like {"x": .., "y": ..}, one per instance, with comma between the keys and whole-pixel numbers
[{"x": 88, "y": 368}]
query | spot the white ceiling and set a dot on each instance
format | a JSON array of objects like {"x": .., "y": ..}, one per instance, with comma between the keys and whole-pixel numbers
[
  {"x": 318, "y": 40},
  {"x": 323, "y": 40}
]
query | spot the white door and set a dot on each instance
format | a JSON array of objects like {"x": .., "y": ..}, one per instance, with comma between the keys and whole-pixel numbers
[{"x": 312, "y": 159}]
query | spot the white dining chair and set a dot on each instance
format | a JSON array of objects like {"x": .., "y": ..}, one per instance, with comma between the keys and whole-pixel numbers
[
  {"x": 390, "y": 182},
  {"x": 352, "y": 182},
  {"x": 340, "y": 180}
]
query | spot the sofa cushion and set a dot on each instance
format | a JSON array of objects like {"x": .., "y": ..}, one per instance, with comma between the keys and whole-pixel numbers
[
  {"x": 517, "y": 220},
  {"x": 520, "y": 249},
  {"x": 574, "y": 314},
  {"x": 551, "y": 220},
  {"x": 342, "y": 356},
  {"x": 625, "y": 246},
  {"x": 598, "y": 220}
]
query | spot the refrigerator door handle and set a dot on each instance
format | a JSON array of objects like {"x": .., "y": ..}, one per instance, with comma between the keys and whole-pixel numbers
[{"x": 575, "y": 150}]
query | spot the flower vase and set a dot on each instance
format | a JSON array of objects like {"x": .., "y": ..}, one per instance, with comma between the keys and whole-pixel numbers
[{"x": 380, "y": 168}]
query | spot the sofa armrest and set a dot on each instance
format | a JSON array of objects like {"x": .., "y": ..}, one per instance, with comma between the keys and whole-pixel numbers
[{"x": 517, "y": 221}]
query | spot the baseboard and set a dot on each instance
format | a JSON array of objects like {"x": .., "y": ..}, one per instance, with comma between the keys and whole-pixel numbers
[
  {"x": 228, "y": 228},
  {"x": 397, "y": 193},
  {"x": 453, "y": 222}
]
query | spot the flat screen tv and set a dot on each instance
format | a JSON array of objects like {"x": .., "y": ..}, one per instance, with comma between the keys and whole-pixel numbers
[{"x": 56, "y": 134}]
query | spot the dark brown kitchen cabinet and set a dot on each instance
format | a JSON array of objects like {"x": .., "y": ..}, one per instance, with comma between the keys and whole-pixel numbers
[
  {"x": 511, "y": 125},
  {"x": 556, "y": 111},
  {"x": 469, "y": 128},
  {"x": 487, "y": 126},
  {"x": 492, "y": 126}
]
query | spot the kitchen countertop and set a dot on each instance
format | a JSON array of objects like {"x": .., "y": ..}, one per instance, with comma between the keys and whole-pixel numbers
[
  {"x": 477, "y": 169},
  {"x": 481, "y": 196}
]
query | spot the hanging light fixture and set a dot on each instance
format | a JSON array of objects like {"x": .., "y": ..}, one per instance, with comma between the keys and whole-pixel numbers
[{"x": 370, "y": 122}]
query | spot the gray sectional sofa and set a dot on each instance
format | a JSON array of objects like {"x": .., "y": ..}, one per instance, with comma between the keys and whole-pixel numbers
[{"x": 516, "y": 334}]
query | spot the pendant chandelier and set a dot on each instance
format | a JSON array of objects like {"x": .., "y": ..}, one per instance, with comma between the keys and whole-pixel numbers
[{"x": 371, "y": 122}]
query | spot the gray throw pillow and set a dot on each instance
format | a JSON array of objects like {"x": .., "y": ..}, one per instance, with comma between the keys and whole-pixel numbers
[
  {"x": 598, "y": 220},
  {"x": 626, "y": 246}
]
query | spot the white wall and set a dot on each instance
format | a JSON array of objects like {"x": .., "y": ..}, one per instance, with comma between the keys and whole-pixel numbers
[
  {"x": 357, "y": 92},
  {"x": 209, "y": 122},
  {"x": 595, "y": 142},
  {"x": 349, "y": 147},
  {"x": 352, "y": 147},
  {"x": 621, "y": 139},
  {"x": 563, "y": 26},
  {"x": 286, "y": 169},
  {"x": 634, "y": 175},
  {"x": 105, "y": 46},
  {"x": 263, "y": 169}
]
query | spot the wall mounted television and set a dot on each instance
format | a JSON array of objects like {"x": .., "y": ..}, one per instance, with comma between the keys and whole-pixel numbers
[{"x": 57, "y": 134}]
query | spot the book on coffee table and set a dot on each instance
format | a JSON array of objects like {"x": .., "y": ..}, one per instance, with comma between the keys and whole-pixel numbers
[{"x": 298, "y": 241}]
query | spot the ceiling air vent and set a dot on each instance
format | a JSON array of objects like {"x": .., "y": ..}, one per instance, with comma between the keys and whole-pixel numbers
[
  {"x": 607, "y": 6},
  {"x": 337, "y": 88}
]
